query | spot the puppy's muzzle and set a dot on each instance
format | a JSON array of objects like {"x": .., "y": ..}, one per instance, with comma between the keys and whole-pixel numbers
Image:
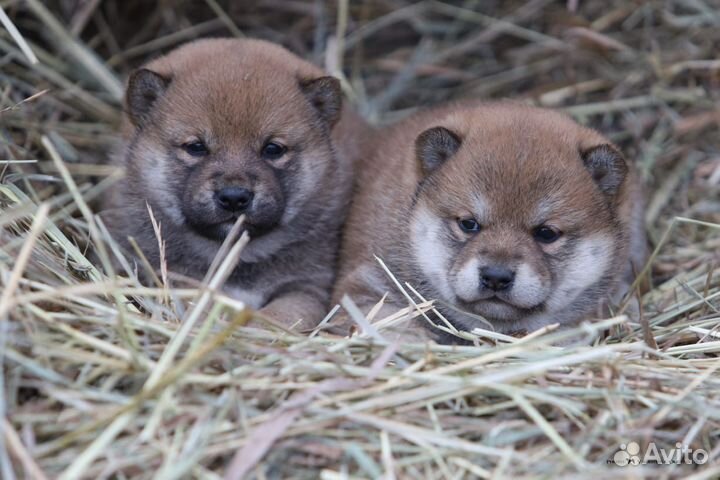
[
  {"x": 234, "y": 199},
  {"x": 497, "y": 278}
]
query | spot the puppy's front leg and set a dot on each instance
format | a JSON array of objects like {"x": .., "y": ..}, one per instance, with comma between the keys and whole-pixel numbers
[
  {"x": 301, "y": 310},
  {"x": 365, "y": 298}
]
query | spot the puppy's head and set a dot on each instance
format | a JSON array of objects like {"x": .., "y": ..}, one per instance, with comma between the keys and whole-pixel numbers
[
  {"x": 223, "y": 128},
  {"x": 518, "y": 216}
]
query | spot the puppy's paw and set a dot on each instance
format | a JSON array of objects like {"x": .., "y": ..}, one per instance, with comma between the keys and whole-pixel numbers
[{"x": 287, "y": 318}]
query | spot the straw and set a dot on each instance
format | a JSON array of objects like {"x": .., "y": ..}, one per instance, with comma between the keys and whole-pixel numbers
[{"x": 109, "y": 374}]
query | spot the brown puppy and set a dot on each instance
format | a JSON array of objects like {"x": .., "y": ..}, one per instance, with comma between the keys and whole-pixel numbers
[
  {"x": 509, "y": 213},
  {"x": 222, "y": 128}
]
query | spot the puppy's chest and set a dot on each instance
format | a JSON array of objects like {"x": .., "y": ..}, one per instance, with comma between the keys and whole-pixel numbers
[
  {"x": 253, "y": 298},
  {"x": 253, "y": 284}
]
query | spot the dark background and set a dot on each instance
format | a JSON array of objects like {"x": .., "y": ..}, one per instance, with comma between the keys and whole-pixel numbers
[{"x": 644, "y": 73}]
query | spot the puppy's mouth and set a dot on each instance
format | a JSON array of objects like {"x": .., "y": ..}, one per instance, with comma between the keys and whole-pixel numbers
[
  {"x": 495, "y": 307},
  {"x": 218, "y": 230}
]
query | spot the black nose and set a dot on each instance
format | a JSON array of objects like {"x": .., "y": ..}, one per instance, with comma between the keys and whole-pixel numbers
[
  {"x": 497, "y": 278},
  {"x": 234, "y": 199}
]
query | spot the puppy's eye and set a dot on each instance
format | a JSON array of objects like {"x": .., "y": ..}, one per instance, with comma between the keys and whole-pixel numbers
[
  {"x": 273, "y": 151},
  {"x": 196, "y": 149},
  {"x": 545, "y": 234},
  {"x": 469, "y": 225}
]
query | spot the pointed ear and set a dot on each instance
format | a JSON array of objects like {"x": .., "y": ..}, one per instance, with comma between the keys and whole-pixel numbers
[
  {"x": 434, "y": 146},
  {"x": 143, "y": 90},
  {"x": 607, "y": 168},
  {"x": 325, "y": 95}
]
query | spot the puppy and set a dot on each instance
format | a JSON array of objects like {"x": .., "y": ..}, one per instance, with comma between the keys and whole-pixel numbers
[
  {"x": 221, "y": 128},
  {"x": 503, "y": 213}
]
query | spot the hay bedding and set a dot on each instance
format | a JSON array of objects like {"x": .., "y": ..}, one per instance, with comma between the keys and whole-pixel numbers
[{"x": 171, "y": 385}]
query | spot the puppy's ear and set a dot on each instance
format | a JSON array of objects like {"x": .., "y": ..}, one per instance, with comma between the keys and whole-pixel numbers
[
  {"x": 144, "y": 88},
  {"x": 434, "y": 146},
  {"x": 607, "y": 168},
  {"x": 325, "y": 95}
]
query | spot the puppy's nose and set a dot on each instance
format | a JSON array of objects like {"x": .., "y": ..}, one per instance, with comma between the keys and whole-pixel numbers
[
  {"x": 497, "y": 278},
  {"x": 234, "y": 199}
]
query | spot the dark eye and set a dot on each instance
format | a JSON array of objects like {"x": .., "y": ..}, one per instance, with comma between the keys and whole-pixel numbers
[
  {"x": 273, "y": 151},
  {"x": 196, "y": 149},
  {"x": 469, "y": 225},
  {"x": 545, "y": 234}
]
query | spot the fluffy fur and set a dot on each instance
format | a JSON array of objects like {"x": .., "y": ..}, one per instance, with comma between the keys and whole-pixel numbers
[
  {"x": 512, "y": 169},
  {"x": 236, "y": 96}
]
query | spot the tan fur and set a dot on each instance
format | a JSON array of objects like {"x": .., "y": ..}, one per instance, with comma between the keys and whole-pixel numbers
[
  {"x": 236, "y": 95},
  {"x": 517, "y": 167}
]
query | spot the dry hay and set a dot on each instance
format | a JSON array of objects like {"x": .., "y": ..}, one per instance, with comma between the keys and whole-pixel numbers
[{"x": 172, "y": 385}]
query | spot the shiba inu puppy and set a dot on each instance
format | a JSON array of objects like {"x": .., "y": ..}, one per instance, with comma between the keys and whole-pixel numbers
[
  {"x": 502, "y": 212},
  {"x": 225, "y": 127}
]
